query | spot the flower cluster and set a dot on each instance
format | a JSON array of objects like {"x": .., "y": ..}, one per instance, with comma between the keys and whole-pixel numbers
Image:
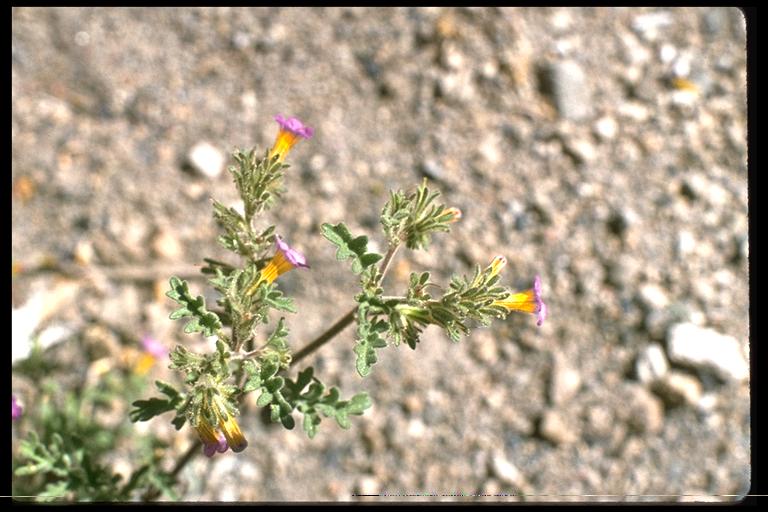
[{"x": 224, "y": 433}]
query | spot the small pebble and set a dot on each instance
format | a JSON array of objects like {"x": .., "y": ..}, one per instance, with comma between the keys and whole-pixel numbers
[
  {"x": 554, "y": 428},
  {"x": 677, "y": 388},
  {"x": 606, "y": 128},
  {"x": 505, "y": 471},
  {"x": 651, "y": 364},
  {"x": 206, "y": 160}
]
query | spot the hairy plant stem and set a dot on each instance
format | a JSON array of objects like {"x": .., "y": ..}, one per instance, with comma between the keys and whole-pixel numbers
[{"x": 311, "y": 347}]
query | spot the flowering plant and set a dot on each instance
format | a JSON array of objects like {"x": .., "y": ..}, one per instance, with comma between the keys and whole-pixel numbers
[{"x": 243, "y": 359}]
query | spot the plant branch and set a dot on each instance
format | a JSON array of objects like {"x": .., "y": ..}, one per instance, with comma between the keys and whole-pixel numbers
[
  {"x": 344, "y": 321},
  {"x": 315, "y": 344}
]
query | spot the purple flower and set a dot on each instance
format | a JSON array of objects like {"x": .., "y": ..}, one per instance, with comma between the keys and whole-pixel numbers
[
  {"x": 294, "y": 257},
  {"x": 209, "y": 449},
  {"x": 213, "y": 440},
  {"x": 529, "y": 301},
  {"x": 541, "y": 308},
  {"x": 154, "y": 347},
  {"x": 285, "y": 259},
  {"x": 291, "y": 129},
  {"x": 16, "y": 408},
  {"x": 295, "y": 126}
]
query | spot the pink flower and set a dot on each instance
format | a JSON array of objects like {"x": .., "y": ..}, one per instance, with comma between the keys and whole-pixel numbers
[
  {"x": 290, "y": 131},
  {"x": 529, "y": 301},
  {"x": 284, "y": 260},
  {"x": 154, "y": 347},
  {"x": 16, "y": 408}
]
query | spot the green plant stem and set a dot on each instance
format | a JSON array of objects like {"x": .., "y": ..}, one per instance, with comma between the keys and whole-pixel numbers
[
  {"x": 344, "y": 321},
  {"x": 153, "y": 493},
  {"x": 311, "y": 347}
]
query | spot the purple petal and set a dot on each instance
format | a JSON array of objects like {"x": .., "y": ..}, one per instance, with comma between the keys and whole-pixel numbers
[
  {"x": 16, "y": 409},
  {"x": 293, "y": 256},
  {"x": 222, "y": 446},
  {"x": 209, "y": 449},
  {"x": 294, "y": 125},
  {"x": 541, "y": 308},
  {"x": 154, "y": 347}
]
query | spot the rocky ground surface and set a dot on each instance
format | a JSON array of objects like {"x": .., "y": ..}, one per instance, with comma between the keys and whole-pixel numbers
[{"x": 604, "y": 149}]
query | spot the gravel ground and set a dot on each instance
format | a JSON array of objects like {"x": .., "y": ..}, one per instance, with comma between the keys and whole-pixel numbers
[{"x": 604, "y": 149}]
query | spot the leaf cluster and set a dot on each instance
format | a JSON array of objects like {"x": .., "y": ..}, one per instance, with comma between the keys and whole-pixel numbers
[
  {"x": 258, "y": 180},
  {"x": 413, "y": 218}
]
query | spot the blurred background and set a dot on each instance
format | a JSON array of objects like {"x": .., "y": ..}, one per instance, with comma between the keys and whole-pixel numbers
[{"x": 603, "y": 149}]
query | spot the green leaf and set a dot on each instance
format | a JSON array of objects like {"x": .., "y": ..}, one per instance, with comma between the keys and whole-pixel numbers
[
  {"x": 359, "y": 403},
  {"x": 368, "y": 340},
  {"x": 253, "y": 381},
  {"x": 148, "y": 409},
  {"x": 350, "y": 247},
  {"x": 277, "y": 300},
  {"x": 288, "y": 422},
  {"x": 264, "y": 399},
  {"x": 202, "y": 320},
  {"x": 167, "y": 389},
  {"x": 310, "y": 424},
  {"x": 275, "y": 384}
]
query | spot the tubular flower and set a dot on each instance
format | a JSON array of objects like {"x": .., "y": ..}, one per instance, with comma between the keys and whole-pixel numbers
[
  {"x": 16, "y": 409},
  {"x": 228, "y": 426},
  {"x": 290, "y": 131},
  {"x": 232, "y": 433},
  {"x": 528, "y": 301},
  {"x": 455, "y": 213},
  {"x": 213, "y": 440},
  {"x": 498, "y": 263},
  {"x": 285, "y": 259}
]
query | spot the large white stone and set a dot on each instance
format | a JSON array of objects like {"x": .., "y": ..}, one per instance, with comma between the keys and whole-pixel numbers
[
  {"x": 706, "y": 348},
  {"x": 206, "y": 159}
]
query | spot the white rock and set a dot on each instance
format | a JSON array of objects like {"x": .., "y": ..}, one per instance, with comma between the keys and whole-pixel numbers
[
  {"x": 606, "y": 128},
  {"x": 653, "y": 296},
  {"x": 667, "y": 53},
  {"x": 53, "y": 335},
  {"x": 368, "y": 485},
  {"x": 634, "y": 110},
  {"x": 570, "y": 90},
  {"x": 651, "y": 364},
  {"x": 686, "y": 243},
  {"x": 452, "y": 57},
  {"x": 565, "y": 381},
  {"x": 505, "y": 471},
  {"x": 24, "y": 322},
  {"x": 583, "y": 150},
  {"x": 682, "y": 66},
  {"x": 554, "y": 428},
  {"x": 707, "y": 348},
  {"x": 206, "y": 159},
  {"x": 416, "y": 428},
  {"x": 648, "y": 25}
]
